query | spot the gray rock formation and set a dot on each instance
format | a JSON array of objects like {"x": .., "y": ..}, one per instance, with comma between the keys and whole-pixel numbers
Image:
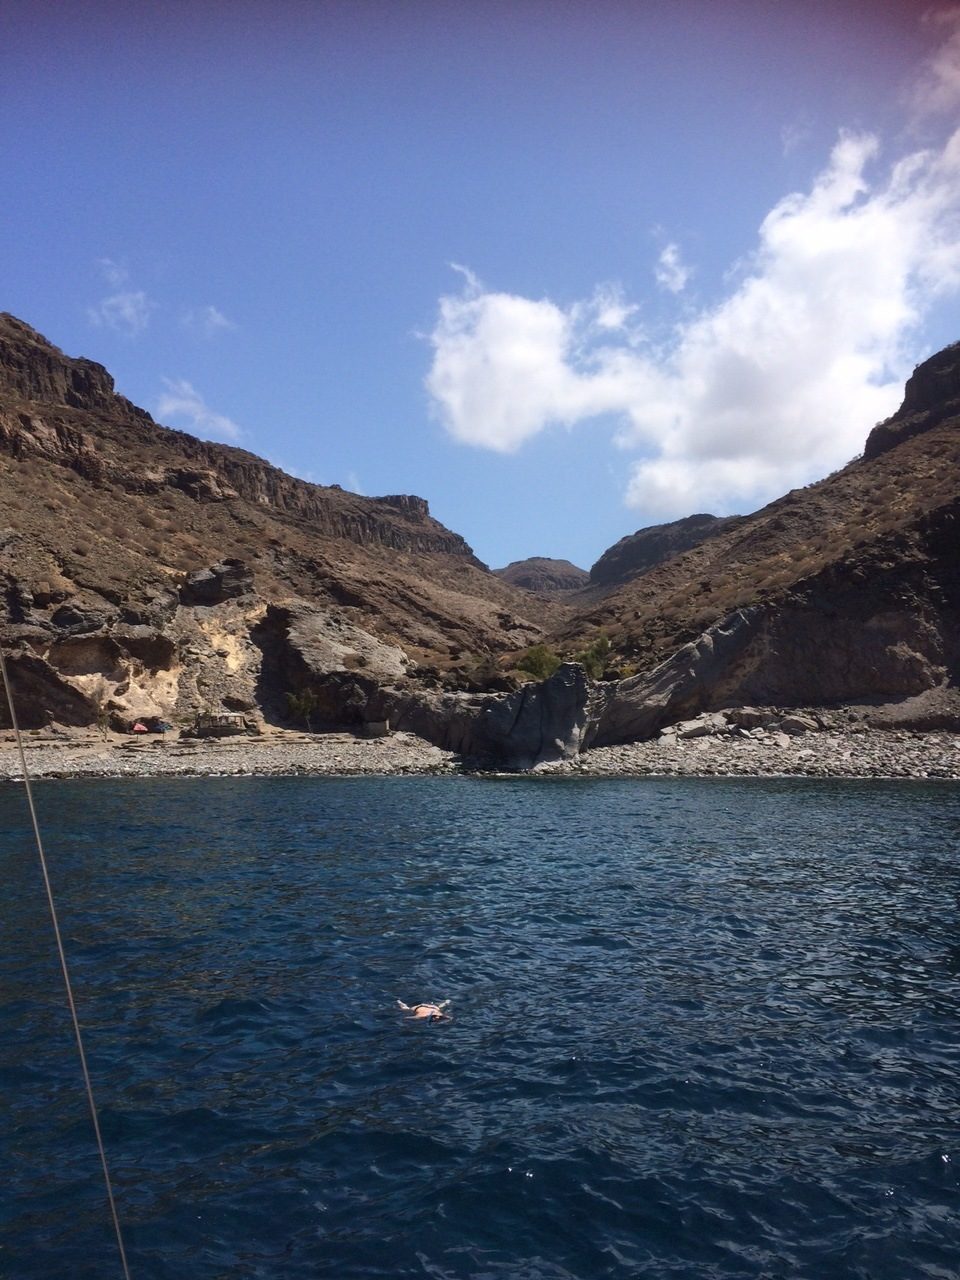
[
  {"x": 540, "y": 722},
  {"x": 356, "y": 679}
]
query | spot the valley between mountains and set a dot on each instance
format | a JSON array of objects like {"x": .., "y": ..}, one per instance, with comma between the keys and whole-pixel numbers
[{"x": 150, "y": 577}]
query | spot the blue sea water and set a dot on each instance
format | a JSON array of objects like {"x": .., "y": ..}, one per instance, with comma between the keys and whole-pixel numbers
[{"x": 703, "y": 1028}]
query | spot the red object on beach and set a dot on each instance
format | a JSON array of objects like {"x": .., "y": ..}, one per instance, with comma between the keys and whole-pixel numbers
[{"x": 139, "y": 728}]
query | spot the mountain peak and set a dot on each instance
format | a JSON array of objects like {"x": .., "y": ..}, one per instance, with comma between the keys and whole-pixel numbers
[
  {"x": 32, "y": 368},
  {"x": 931, "y": 394}
]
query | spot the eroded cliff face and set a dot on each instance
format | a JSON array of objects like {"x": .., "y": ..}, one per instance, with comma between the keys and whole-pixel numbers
[
  {"x": 932, "y": 394},
  {"x": 65, "y": 410},
  {"x": 138, "y": 565},
  {"x": 33, "y": 369}
]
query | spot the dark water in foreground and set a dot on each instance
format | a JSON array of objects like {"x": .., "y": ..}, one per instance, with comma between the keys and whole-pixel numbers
[{"x": 703, "y": 1029}]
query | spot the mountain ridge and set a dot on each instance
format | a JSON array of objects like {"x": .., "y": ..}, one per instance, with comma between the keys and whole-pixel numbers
[{"x": 147, "y": 573}]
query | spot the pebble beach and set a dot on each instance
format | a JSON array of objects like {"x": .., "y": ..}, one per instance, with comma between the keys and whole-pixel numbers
[{"x": 862, "y": 753}]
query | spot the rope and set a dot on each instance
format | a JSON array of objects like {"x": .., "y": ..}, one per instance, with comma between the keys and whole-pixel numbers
[{"x": 65, "y": 971}]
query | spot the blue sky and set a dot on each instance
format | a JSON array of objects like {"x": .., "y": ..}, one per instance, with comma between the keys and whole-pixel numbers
[{"x": 564, "y": 269}]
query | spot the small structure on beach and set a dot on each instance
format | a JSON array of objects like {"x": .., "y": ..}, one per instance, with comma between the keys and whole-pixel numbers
[
  {"x": 375, "y": 728},
  {"x": 223, "y": 724}
]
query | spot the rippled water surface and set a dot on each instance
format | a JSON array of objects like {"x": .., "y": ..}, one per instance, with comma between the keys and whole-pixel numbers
[{"x": 702, "y": 1028}]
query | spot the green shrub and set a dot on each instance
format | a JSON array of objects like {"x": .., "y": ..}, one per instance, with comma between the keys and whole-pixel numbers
[
  {"x": 538, "y": 661},
  {"x": 594, "y": 657}
]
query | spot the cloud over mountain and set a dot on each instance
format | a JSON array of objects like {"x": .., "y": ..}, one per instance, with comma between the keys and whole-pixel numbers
[
  {"x": 773, "y": 384},
  {"x": 126, "y": 310},
  {"x": 184, "y": 404}
]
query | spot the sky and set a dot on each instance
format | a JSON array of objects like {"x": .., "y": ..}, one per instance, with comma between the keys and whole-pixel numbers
[{"x": 564, "y": 269}]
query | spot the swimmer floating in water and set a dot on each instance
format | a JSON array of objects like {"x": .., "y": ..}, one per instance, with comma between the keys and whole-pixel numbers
[{"x": 432, "y": 1012}]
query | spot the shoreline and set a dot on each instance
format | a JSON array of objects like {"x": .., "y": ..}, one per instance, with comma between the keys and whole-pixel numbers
[{"x": 829, "y": 753}]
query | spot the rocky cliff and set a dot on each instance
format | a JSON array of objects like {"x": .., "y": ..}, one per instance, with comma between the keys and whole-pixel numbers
[
  {"x": 67, "y": 411},
  {"x": 138, "y": 564},
  {"x": 932, "y": 394},
  {"x": 846, "y": 592},
  {"x": 144, "y": 573}
]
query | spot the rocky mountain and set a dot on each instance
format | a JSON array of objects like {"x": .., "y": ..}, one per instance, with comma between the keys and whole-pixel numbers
[
  {"x": 845, "y": 592},
  {"x": 642, "y": 551},
  {"x": 144, "y": 573},
  {"x": 543, "y": 575},
  {"x": 139, "y": 565}
]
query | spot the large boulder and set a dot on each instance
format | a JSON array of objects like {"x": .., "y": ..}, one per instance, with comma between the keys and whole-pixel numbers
[
  {"x": 42, "y": 696},
  {"x": 224, "y": 581},
  {"x": 539, "y": 723},
  {"x": 343, "y": 666}
]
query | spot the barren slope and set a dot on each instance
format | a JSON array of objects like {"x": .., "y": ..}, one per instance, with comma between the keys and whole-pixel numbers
[
  {"x": 113, "y": 509},
  {"x": 882, "y": 529}
]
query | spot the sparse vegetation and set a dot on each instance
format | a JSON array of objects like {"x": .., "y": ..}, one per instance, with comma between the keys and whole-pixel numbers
[
  {"x": 538, "y": 661},
  {"x": 302, "y": 705},
  {"x": 594, "y": 658}
]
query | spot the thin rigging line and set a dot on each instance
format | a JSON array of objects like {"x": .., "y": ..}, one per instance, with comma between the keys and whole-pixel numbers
[{"x": 64, "y": 970}]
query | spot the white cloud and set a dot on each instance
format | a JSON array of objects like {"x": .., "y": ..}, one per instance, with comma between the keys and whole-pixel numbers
[
  {"x": 115, "y": 275},
  {"x": 607, "y": 309},
  {"x": 182, "y": 401},
  {"x": 126, "y": 310},
  {"x": 937, "y": 86},
  {"x": 504, "y": 367},
  {"x": 206, "y": 321},
  {"x": 773, "y": 386},
  {"x": 127, "y": 313},
  {"x": 670, "y": 271}
]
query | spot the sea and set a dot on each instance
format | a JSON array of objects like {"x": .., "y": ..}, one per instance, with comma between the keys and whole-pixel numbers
[{"x": 700, "y": 1028}]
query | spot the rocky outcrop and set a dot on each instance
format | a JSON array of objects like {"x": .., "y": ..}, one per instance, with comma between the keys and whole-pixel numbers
[
  {"x": 932, "y": 394},
  {"x": 41, "y": 696},
  {"x": 538, "y": 723},
  {"x": 642, "y": 551},
  {"x": 78, "y": 677},
  {"x": 317, "y": 652},
  {"x": 352, "y": 680},
  {"x": 202, "y": 484},
  {"x": 33, "y": 369},
  {"x": 543, "y": 575},
  {"x": 224, "y": 581},
  {"x": 683, "y": 686}
]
